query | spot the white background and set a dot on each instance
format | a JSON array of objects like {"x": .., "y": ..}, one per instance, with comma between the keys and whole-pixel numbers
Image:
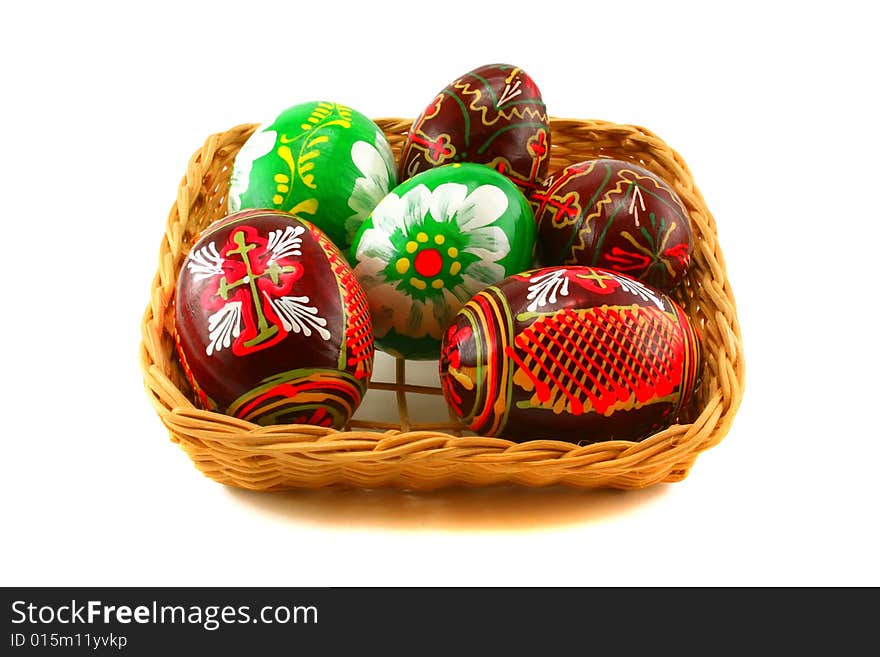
[{"x": 770, "y": 105}]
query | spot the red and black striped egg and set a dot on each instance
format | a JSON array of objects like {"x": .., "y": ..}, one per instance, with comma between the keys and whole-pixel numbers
[
  {"x": 271, "y": 325},
  {"x": 580, "y": 354}
]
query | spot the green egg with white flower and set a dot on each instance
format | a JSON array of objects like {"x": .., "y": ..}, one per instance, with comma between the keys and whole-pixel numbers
[
  {"x": 431, "y": 244},
  {"x": 322, "y": 161}
]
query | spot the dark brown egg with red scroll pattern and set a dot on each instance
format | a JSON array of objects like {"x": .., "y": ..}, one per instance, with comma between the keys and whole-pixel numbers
[
  {"x": 580, "y": 354},
  {"x": 617, "y": 215},
  {"x": 492, "y": 115},
  {"x": 271, "y": 324}
]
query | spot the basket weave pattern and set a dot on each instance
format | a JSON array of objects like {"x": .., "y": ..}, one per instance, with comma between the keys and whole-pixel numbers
[{"x": 405, "y": 455}]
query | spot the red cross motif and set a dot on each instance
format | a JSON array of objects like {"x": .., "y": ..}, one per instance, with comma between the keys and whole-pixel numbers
[
  {"x": 566, "y": 209},
  {"x": 596, "y": 280},
  {"x": 538, "y": 144},
  {"x": 436, "y": 150},
  {"x": 251, "y": 277}
]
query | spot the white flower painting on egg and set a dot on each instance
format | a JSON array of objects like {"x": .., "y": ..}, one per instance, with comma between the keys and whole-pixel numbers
[
  {"x": 260, "y": 143},
  {"x": 376, "y": 164},
  {"x": 428, "y": 252}
]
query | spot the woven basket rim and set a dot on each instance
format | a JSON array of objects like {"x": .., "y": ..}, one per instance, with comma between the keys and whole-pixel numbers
[{"x": 246, "y": 455}]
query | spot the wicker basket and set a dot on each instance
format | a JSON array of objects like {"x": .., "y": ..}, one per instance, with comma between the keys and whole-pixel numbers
[{"x": 406, "y": 455}]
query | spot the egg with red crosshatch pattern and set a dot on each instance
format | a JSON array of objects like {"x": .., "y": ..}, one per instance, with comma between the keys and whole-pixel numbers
[
  {"x": 579, "y": 354},
  {"x": 617, "y": 215},
  {"x": 492, "y": 115},
  {"x": 270, "y": 323}
]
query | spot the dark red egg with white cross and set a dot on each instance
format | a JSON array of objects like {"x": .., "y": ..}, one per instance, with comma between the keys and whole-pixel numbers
[
  {"x": 580, "y": 354},
  {"x": 271, "y": 325},
  {"x": 492, "y": 115},
  {"x": 617, "y": 215}
]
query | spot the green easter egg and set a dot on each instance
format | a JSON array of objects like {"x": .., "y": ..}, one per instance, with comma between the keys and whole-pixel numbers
[
  {"x": 431, "y": 244},
  {"x": 321, "y": 161}
]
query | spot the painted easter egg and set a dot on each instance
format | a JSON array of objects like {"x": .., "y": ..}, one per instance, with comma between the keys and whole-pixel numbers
[
  {"x": 580, "y": 354},
  {"x": 322, "y": 161},
  {"x": 431, "y": 244},
  {"x": 616, "y": 215},
  {"x": 271, "y": 324},
  {"x": 492, "y": 115}
]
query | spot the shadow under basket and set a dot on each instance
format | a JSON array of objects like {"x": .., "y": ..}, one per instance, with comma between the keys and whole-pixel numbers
[{"x": 396, "y": 452}]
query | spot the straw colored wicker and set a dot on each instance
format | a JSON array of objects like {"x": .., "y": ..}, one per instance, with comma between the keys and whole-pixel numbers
[{"x": 398, "y": 453}]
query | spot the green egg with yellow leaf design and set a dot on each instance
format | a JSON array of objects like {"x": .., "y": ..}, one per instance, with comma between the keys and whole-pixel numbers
[{"x": 322, "y": 161}]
